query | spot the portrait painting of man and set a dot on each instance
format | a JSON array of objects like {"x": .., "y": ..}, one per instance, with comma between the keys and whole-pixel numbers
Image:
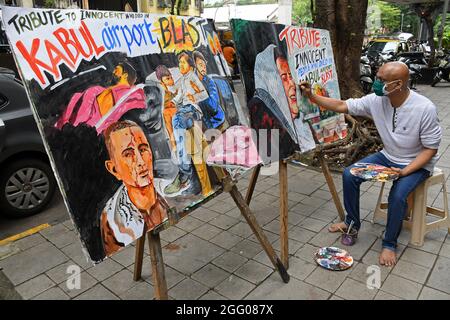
[{"x": 136, "y": 207}]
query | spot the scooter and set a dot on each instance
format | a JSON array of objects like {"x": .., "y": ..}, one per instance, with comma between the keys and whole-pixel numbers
[
  {"x": 415, "y": 62},
  {"x": 443, "y": 72},
  {"x": 365, "y": 77}
]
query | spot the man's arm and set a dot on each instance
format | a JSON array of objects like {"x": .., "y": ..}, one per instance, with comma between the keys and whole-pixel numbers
[
  {"x": 332, "y": 104},
  {"x": 419, "y": 162}
]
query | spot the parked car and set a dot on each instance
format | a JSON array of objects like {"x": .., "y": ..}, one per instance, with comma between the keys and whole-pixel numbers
[
  {"x": 386, "y": 46},
  {"x": 6, "y": 57},
  {"x": 27, "y": 183}
]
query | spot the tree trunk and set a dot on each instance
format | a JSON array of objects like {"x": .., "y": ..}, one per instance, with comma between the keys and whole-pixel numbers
[
  {"x": 346, "y": 21},
  {"x": 429, "y": 13}
]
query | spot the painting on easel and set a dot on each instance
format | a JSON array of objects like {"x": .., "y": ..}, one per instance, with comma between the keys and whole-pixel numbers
[
  {"x": 274, "y": 59},
  {"x": 123, "y": 102}
]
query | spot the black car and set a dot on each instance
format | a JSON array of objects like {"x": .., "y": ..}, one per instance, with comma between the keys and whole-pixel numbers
[{"x": 27, "y": 183}]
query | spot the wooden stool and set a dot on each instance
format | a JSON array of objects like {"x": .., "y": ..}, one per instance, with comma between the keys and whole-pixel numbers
[{"x": 415, "y": 219}]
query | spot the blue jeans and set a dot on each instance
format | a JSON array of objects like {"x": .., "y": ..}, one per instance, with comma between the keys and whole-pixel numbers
[
  {"x": 183, "y": 120},
  {"x": 398, "y": 195}
]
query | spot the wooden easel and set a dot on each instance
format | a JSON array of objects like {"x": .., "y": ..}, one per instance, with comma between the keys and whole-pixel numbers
[
  {"x": 284, "y": 203},
  {"x": 158, "y": 274}
]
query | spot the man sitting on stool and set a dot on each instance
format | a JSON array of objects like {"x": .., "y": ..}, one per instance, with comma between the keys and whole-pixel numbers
[{"x": 409, "y": 129}]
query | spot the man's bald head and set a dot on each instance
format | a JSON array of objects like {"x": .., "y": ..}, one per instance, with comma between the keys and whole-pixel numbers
[{"x": 393, "y": 71}]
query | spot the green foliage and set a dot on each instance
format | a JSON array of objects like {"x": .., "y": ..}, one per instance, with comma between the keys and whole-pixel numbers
[
  {"x": 390, "y": 18},
  {"x": 49, "y": 3},
  {"x": 301, "y": 12},
  {"x": 446, "y": 35}
]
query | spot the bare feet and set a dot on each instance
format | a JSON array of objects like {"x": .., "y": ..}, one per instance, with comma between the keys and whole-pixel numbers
[
  {"x": 387, "y": 258},
  {"x": 336, "y": 227}
]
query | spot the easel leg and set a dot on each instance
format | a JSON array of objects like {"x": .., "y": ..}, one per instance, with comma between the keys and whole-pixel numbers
[
  {"x": 159, "y": 277},
  {"x": 284, "y": 207},
  {"x": 332, "y": 187},
  {"x": 252, "y": 184},
  {"x": 251, "y": 220},
  {"x": 140, "y": 243}
]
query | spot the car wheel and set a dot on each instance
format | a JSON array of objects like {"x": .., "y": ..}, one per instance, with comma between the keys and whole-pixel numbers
[{"x": 26, "y": 187}]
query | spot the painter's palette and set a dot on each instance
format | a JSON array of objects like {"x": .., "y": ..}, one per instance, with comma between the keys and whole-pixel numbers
[
  {"x": 333, "y": 258},
  {"x": 373, "y": 172}
]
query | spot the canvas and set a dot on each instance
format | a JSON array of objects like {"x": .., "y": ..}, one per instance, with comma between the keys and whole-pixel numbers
[
  {"x": 273, "y": 60},
  {"x": 123, "y": 102}
]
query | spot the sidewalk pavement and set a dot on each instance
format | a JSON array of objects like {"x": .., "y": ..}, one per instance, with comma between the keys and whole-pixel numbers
[{"x": 212, "y": 254}]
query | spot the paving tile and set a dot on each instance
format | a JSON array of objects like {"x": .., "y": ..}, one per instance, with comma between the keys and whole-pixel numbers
[
  {"x": 324, "y": 239},
  {"x": 354, "y": 290},
  {"x": 120, "y": 282},
  {"x": 241, "y": 229},
  {"x": 307, "y": 252},
  {"x": 207, "y": 231},
  {"x": 300, "y": 234},
  {"x": 193, "y": 254},
  {"x": 125, "y": 256},
  {"x": 411, "y": 271},
  {"x": 300, "y": 269},
  {"x": 327, "y": 280},
  {"x": 188, "y": 289},
  {"x": 98, "y": 292},
  {"x": 314, "y": 225},
  {"x": 293, "y": 246},
  {"x": 234, "y": 288},
  {"x": 212, "y": 295},
  {"x": 75, "y": 253},
  {"x": 273, "y": 288},
  {"x": 141, "y": 291},
  {"x": 54, "y": 231},
  {"x": 432, "y": 294},
  {"x": 54, "y": 293},
  {"x": 253, "y": 272},
  {"x": 204, "y": 214},
  {"x": 34, "y": 286},
  {"x": 189, "y": 223},
  {"x": 32, "y": 262},
  {"x": 419, "y": 257},
  {"x": 172, "y": 234},
  {"x": 361, "y": 272},
  {"x": 440, "y": 275},
  {"x": 445, "y": 250},
  {"x": 431, "y": 246},
  {"x": 230, "y": 261},
  {"x": 86, "y": 283},
  {"x": 247, "y": 248},
  {"x": 223, "y": 222},
  {"x": 210, "y": 275},
  {"x": 64, "y": 239},
  {"x": 401, "y": 287},
  {"x": 30, "y": 241},
  {"x": 60, "y": 273},
  {"x": 226, "y": 239},
  {"x": 381, "y": 295},
  {"x": 105, "y": 269}
]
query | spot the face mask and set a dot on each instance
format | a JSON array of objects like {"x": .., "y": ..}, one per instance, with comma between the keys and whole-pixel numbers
[{"x": 379, "y": 87}]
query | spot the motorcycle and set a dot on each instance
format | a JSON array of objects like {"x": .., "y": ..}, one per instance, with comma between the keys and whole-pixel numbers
[
  {"x": 365, "y": 71},
  {"x": 443, "y": 72},
  {"x": 416, "y": 62}
]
